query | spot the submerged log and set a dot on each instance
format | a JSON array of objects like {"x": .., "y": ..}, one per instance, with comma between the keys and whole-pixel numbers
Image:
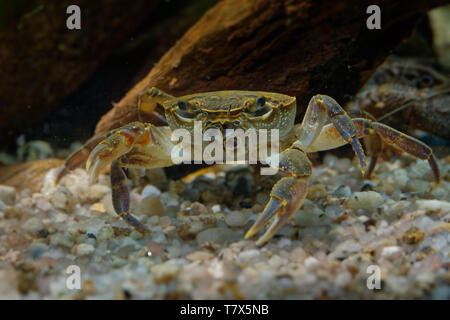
[
  {"x": 42, "y": 61},
  {"x": 27, "y": 175},
  {"x": 296, "y": 47}
]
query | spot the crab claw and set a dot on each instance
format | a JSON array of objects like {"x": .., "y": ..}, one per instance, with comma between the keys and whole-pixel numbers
[
  {"x": 286, "y": 198},
  {"x": 359, "y": 151},
  {"x": 78, "y": 158},
  {"x": 97, "y": 160},
  {"x": 105, "y": 152}
]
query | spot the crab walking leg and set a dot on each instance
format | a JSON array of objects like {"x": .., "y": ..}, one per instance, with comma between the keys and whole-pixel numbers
[
  {"x": 287, "y": 194},
  {"x": 373, "y": 146},
  {"x": 121, "y": 198},
  {"x": 330, "y": 139},
  {"x": 319, "y": 107},
  {"x": 408, "y": 144}
]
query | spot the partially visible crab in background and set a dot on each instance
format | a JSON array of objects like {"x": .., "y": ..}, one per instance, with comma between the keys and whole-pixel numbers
[
  {"x": 408, "y": 94},
  {"x": 139, "y": 144}
]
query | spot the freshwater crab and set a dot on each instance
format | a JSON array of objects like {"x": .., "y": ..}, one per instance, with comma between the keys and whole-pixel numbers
[
  {"x": 139, "y": 144},
  {"x": 407, "y": 93}
]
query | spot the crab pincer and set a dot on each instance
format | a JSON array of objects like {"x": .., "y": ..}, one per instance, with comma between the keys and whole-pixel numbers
[
  {"x": 287, "y": 194},
  {"x": 78, "y": 158},
  {"x": 106, "y": 150},
  {"x": 109, "y": 151}
]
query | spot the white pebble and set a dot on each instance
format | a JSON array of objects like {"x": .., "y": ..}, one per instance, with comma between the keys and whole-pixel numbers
[
  {"x": 248, "y": 255},
  {"x": 217, "y": 235},
  {"x": 166, "y": 271},
  {"x": 150, "y": 191},
  {"x": 439, "y": 193},
  {"x": 346, "y": 249},
  {"x": 85, "y": 249},
  {"x": 284, "y": 242},
  {"x": 98, "y": 191},
  {"x": 235, "y": 219},
  {"x": 150, "y": 206},
  {"x": 7, "y": 195},
  {"x": 275, "y": 261},
  {"x": 105, "y": 233},
  {"x": 33, "y": 224},
  {"x": 390, "y": 251},
  {"x": 367, "y": 200},
  {"x": 420, "y": 170},
  {"x": 311, "y": 262},
  {"x": 59, "y": 199},
  {"x": 61, "y": 239},
  {"x": 343, "y": 279},
  {"x": 309, "y": 216},
  {"x": 400, "y": 178},
  {"x": 329, "y": 160},
  {"x": 342, "y": 165},
  {"x": 418, "y": 186},
  {"x": 48, "y": 185},
  {"x": 343, "y": 191},
  {"x": 43, "y": 204},
  {"x": 170, "y": 199},
  {"x": 433, "y": 206}
]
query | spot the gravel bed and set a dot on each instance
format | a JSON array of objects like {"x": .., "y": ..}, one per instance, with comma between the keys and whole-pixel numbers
[{"x": 398, "y": 222}]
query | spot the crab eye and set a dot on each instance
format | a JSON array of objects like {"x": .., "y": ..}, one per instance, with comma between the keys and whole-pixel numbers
[
  {"x": 182, "y": 105},
  {"x": 184, "y": 111},
  {"x": 259, "y": 108},
  {"x": 260, "y": 101},
  {"x": 425, "y": 81},
  {"x": 255, "y": 105}
]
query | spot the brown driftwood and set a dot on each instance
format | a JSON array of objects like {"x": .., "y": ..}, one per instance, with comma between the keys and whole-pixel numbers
[
  {"x": 41, "y": 61},
  {"x": 27, "y": 175},
  {"x": 296, "y": 47}
]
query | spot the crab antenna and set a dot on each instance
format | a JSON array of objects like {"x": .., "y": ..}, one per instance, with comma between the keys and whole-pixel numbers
[{"x": 410, "y": 103}]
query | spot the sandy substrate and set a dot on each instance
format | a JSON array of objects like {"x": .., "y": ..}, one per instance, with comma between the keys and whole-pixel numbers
[{"x": 399, "y": 222}]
